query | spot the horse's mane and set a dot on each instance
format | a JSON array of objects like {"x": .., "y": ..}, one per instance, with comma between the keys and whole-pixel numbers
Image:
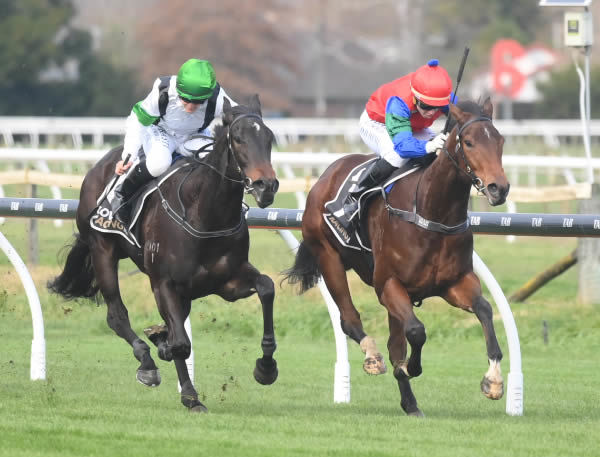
[{"x": 468, "y": 106}]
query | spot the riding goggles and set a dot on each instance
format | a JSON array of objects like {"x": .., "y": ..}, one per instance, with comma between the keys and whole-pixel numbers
[
  {"x": 194, "y": 102},
  {"x": 425, "y": 106}
]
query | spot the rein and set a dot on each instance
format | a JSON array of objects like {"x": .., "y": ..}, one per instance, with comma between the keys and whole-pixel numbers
[{"x": 181, "y": 220}]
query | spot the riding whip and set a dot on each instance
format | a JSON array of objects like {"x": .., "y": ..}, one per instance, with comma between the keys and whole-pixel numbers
[
  {"x": 116, "y": 177},
  {"x": 458, "y": 78}
]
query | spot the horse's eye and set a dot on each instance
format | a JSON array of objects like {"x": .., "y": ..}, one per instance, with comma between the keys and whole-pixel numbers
[{"x": 468, "y": 144}]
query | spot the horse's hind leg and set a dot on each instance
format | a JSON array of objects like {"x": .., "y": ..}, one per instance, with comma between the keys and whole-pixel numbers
[
  {"x": 467, "y": 295},
  {"x": 336, "y": 281},
  {"x": 248, "y": 281},
  {"x": 105, "y": 264},
  {"x": 404, "y": 326}
]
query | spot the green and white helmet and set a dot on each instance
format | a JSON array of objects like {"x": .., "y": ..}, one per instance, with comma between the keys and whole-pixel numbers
[{"x": 196, "y": 80}]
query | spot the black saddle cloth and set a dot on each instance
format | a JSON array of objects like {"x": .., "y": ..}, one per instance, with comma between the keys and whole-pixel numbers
[
  {"x": 353, "y": 234},
  {"x": 102, "y": 220}
]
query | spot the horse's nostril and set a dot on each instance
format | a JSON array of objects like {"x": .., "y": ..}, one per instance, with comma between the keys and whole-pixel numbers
[
  {"x": 493, "y": 189},
  {"x": 275, "y": 186},
  {"x": 259, "y": 184}
]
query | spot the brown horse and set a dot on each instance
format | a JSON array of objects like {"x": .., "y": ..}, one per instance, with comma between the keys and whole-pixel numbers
[
  {"x": 194, "y": 242},
  {"x": 410, "y": 262}
]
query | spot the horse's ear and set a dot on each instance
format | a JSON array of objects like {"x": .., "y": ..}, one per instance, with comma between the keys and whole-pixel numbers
[
  {"x": 254, "y": 104},
  {"x": 458, "y": 114},
  {"x": 227, "y": 115},
  {"x": 488, "y": 108}
]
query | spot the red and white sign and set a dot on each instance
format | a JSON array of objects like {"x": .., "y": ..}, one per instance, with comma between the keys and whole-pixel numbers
[{"x": 514, "y": 68}]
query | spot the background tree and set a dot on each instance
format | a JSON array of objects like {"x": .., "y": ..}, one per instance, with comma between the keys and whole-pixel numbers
[
  {"x": 561, "y": 95},
  {"x": 479, "y": 23},
  {"x": 247, "y": 42},
  {"x": 48, "y": 67}
]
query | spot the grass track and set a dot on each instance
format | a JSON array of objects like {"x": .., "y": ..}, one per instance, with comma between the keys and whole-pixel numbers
[{"x": 91, "y": 405}]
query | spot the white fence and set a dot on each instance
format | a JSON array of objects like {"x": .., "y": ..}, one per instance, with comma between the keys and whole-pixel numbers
[
  {"x": 97, "y": 131},
  {"x": 300, "y": 159}
]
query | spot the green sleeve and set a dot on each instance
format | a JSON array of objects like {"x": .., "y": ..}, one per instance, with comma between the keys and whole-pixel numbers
[
  {"x": 395, "y": 124},
  {"x": 144, "y": 118}
]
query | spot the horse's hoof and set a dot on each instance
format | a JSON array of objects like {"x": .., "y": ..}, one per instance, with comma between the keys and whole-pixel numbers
[
  {"x": 417, "y": 413},
  {"x": 157, "y": 333},
  {"x": 164, "y": 352},
  {"x": 492, "y": 390},
  {"x": 150, "y": 378},
  {"x": 374, "y": 365},
  {"x": 414, "y": 371},
  {"x": 265, "y": 373},
  {"x": 199, "y": 408},
  {"x": 192, "y": 403}
]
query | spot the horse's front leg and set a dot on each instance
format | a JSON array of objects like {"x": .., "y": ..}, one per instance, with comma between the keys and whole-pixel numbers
[
  {"x": 466, "y": 294},
  {"x": 105, "y": 264},
  {"x": 404, "y": 326},
  {"x": 248, "y": 281},
  {"x": 174, "y": 310},
  {"x": 172, "y": 340},
  {"x": 159, "y": 334}
]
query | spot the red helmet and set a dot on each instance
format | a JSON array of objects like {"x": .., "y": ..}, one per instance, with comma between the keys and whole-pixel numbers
[{"x": 431, "y": 84}]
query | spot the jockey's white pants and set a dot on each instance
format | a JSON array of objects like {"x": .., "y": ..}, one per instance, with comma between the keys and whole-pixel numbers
[
  {"x": 159, "y": 147},
  {"x": 376, "y": 137}
]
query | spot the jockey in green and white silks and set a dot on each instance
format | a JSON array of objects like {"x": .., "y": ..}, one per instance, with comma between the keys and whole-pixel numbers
[{"x": 193, "y": 100}]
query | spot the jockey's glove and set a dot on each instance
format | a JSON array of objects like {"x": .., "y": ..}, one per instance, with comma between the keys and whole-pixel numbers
[{"x": 436, "y": 143}]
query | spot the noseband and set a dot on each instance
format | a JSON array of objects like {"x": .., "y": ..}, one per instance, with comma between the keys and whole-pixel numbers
[{"x": 475, "y": 180}]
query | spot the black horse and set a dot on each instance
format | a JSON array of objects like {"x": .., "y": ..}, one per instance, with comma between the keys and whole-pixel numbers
[{"x": 194, "y": 242}]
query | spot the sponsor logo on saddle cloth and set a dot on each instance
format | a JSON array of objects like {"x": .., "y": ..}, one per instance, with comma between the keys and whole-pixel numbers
[
  {"x": 351, "y": 237},
  {"x": 103, "y": 221},
  {"x": 102, "y": 218}
]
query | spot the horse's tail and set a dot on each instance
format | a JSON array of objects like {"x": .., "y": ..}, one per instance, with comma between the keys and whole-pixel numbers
[
  {"x": 305, "y": 271},
  {"x": 78, "y": 279}
]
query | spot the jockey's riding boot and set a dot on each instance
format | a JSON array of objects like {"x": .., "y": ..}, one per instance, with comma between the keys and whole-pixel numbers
[
  {"x": 134, "y": 180},
  {"x": 379, "y": 170}
]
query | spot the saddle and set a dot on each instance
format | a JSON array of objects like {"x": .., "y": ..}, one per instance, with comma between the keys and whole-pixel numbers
[
  {"x": 356, "y": 235},
  {"x": 101, "y": 218}
]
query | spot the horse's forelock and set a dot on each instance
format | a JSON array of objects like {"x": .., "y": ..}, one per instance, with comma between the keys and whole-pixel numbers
[
  {"x": 234, "y": 111},
  {"x": 468, "y": 106}
]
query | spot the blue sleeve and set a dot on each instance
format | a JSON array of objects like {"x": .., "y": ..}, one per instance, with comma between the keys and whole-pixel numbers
[
  {"x": 397, "y": 122},
  {"x": 454, "y": 99}
]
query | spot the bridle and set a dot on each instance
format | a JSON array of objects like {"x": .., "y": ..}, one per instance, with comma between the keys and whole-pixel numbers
[
  {"x": 413, "y": 216},
  {"x": 458, "y": 149},
  {"x": 245, "y": 181},
  {"x": 181, "y": 219}
]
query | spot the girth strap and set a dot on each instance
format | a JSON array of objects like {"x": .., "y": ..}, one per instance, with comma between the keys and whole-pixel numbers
[
  {"x": 426, "y": 224},
  {"x": 414, "y": 218}
]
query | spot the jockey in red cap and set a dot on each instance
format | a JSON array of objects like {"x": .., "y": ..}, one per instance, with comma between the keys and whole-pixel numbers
[{"x": 396, "y": 120}]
